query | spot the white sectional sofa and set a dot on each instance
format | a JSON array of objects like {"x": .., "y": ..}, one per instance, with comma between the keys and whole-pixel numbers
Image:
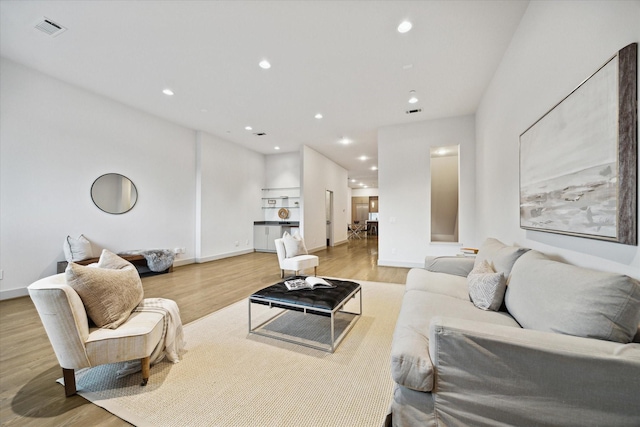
[{"x": 560, "y": 350}]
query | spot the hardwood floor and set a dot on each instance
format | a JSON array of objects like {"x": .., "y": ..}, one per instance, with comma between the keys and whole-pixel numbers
[{"x": 29, "y": 395}]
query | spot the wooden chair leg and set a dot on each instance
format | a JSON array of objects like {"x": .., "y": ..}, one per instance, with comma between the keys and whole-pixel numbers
[
  {"x": 282, "y": 274},
  {"x": 146, "y": 368},
  {"x": 315, "y": 270},
  {"x": 69, "y": 377}
]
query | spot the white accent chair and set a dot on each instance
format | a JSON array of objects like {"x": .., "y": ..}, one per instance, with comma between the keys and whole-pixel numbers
[
  {"x": 77, "y": 345},
  {"x": 295, "y": 263}
]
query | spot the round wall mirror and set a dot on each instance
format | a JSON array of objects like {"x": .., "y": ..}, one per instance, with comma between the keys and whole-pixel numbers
[{"x": 114, "y": 193}]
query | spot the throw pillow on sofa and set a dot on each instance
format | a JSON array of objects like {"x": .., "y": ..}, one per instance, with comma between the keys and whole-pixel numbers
[
  {"x": 77, "y": 249},
  {"x": 108, "y": 294},
  {"x": 499, "y": 256},
  {"x": 486, "y": 287}
]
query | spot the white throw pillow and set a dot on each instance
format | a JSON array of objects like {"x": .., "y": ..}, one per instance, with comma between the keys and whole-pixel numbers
[
  {"x": 293, "y": 245},
  {"x": 486, "y": 287},
  {"x": 77, "y": 249}
]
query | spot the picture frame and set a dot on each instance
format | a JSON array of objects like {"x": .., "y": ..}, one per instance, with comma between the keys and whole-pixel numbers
[{"x": 579, "y": 161}]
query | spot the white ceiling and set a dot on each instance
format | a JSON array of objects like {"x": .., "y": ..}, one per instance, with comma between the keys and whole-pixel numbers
[{"x": 344, "y": 59}]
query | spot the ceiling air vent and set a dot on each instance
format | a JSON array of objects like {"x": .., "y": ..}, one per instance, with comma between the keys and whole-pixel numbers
[
  {"x": 417, "y": 110},
  {"x": 49, "y": 27}
]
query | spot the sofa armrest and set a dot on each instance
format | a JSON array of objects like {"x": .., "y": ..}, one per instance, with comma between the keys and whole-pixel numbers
[
  {"x": 491, "y": 374},
  {"x": 458, "y": 265}
]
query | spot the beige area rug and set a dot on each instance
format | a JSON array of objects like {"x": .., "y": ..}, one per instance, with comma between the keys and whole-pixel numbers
[{"x": 230, "y": 378}]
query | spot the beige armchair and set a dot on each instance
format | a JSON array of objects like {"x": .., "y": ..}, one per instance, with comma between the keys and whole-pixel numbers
[
  {"x": 78, "y": 345},
  {"x": 294, "y": 263}
]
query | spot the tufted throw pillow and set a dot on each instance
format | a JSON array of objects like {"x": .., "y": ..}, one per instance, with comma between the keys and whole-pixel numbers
[
  {"x": 486, "y": 287},
  {"x": 109, "y": 295},
  {"x": 77, "y": 249},
  {"x": 293, "y": 245}
]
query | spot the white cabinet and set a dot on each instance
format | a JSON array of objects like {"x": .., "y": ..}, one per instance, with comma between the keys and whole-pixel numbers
[{"x": 264, "y": 236}]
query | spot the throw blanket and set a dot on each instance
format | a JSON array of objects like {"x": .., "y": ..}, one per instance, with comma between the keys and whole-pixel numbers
[
  {"x": 158, "y": 260},
  {"x": 171, "y": 343}
]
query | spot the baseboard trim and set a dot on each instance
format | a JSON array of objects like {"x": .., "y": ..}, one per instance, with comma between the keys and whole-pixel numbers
[
  {"x": 179, "y": 262},
  {"x": 13, "y": 293},
  {"x": 405, "y": 264},
  {"x": 221, "y": 256}
]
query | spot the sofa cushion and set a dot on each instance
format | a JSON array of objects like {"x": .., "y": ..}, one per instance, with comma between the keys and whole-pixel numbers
[
  {"x": 411, "y": 365},
  {"x": 109, "y": 295},
  {"x": 500, "y": 256},
  {"x": 486, "y": 287},
  {"x": 552, "y": 296},
  {"x": 458, "y": 265},
  {"x": 440, "y": 283}
]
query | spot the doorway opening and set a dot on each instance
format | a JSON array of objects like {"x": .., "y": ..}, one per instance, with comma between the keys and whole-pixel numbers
[
  {"x": 444, "y": 193},
  {"x": 328, "y": 203}
]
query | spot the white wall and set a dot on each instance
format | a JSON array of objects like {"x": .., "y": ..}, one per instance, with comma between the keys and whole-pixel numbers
[
  {"x": 404, "y": 189},
  {"x": 55, "y": 140},
  {"x": 319, "y": 175},
  {"x": 283, "y": 171},
  {"x": 557, "y": 45},
  {"x": 231, "y": 178}
]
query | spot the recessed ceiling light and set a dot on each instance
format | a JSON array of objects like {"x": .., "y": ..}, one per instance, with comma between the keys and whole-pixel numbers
[
  {"x": 404, "y": 27},
  {"x": 167, "y": 92},
  {"x": 353, "y": 180},
  {"x": 264, "y": 64},
  {"x": 363, "y": 158},
  {"x": 374, "y": 168},
  {"x": 412, "y": 97},
  {"x": 276, "y": 148},
  {"x": 345, "y": 141},
  {"x": 362, "y": 184},
  {"x": 318, "y": 116},
  {"x": 248, "y": 128},
  {"x": 441, "y": 152}
]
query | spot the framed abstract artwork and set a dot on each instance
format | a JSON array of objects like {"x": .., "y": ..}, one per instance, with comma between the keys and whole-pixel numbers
[{"x": 579, "y": 161}]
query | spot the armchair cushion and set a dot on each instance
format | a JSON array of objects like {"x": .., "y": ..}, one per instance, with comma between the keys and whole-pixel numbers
[{"x": 108, "y": 295}]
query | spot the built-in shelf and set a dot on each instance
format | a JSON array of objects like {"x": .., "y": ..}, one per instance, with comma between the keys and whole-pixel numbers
[{"x": 285, "y": 199}]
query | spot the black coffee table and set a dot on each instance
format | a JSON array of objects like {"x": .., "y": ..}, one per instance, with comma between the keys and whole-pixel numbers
[{"x": 320, "y": 301}]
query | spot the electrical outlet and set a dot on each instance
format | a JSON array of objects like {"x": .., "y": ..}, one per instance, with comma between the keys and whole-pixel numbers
[
  {"x": 246, "y": 242},
  {"x": 183, "y": 250},
  {"x": 176, "y": 250}
]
